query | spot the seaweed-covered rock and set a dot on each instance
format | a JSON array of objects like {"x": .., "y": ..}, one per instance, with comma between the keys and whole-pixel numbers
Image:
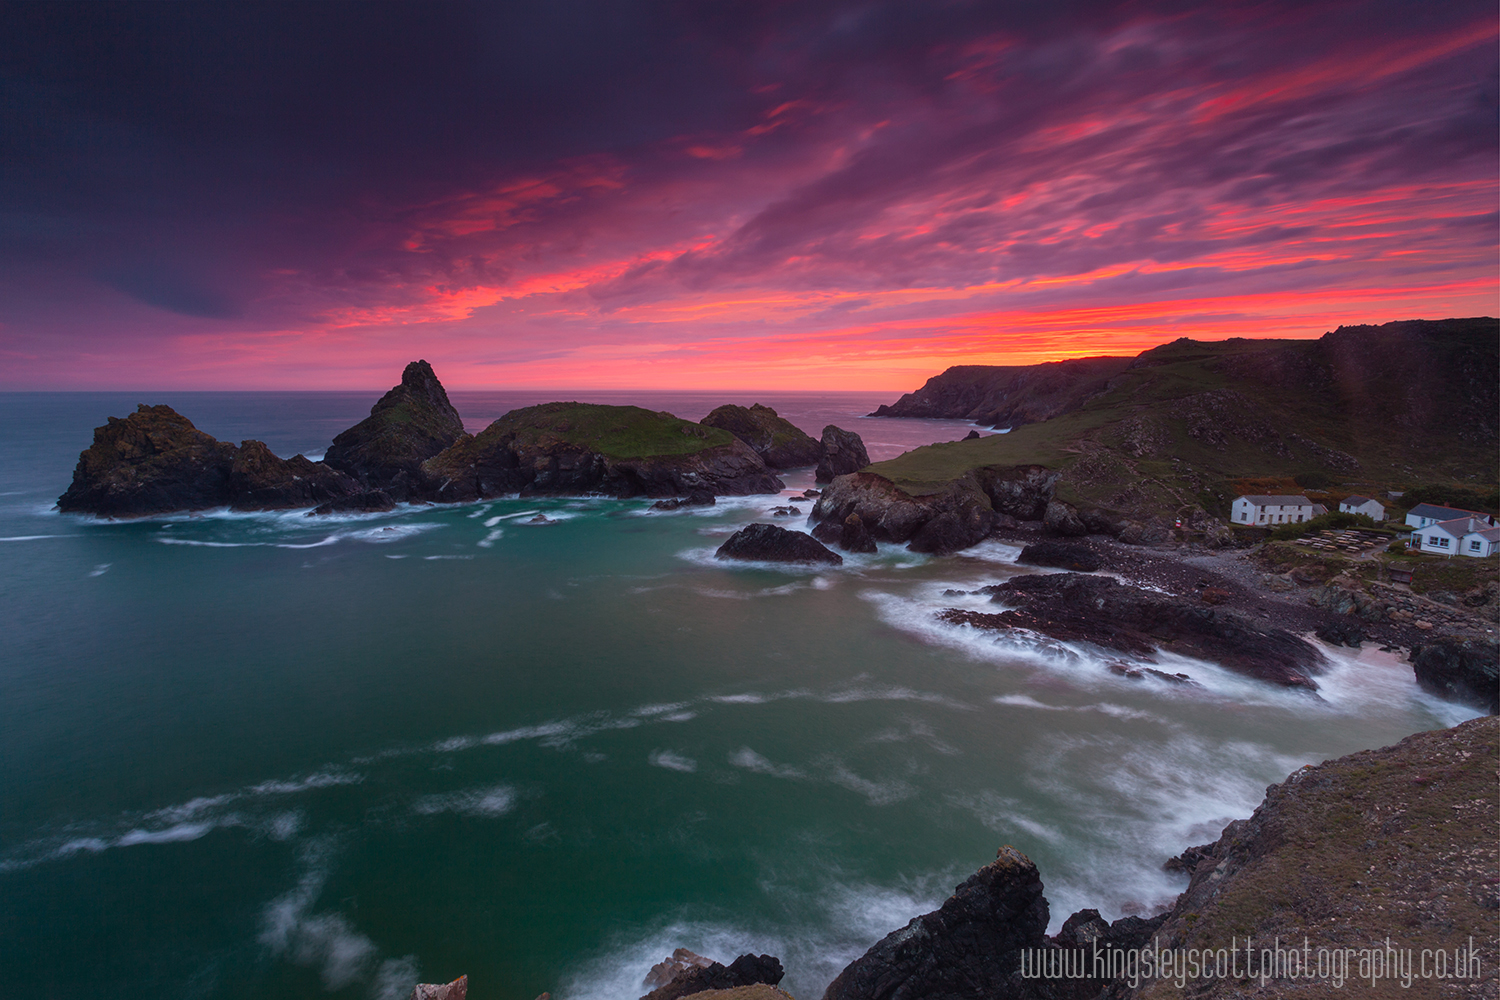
[
  {"x": 156, "y": 462},
  {"x": 581, "y": 448},
  {"x": 843, "y": 452},
  {"x": 407, "y": 426},
  {"x": 1063, "y": 555},
  {"x": 779, "y": 442},
  {"x": 768, "y": 543}
]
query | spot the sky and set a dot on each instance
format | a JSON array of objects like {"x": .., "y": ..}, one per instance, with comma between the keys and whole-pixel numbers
[{"x": 720, "y": 194}]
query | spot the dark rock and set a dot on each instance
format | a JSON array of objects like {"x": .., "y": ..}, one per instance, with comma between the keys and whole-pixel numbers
[
  {"x": 700, "y": 498},
  {"x": 843, "y": 452},
  {"x": 1214, "y": 595},
  {"x": 1126, "y": 670},
  {"x": 768, "y": 543},
  {"x": 972, "y": 436},
  {"x": 369, "y": 502},
  {"x": 1063, "y": 555},
  {"x": 779, "y": 443},
  {"x": 1076, "y": 608},
  {"x": 1153, "y": 532},
  {"x": 1341, "y": 633},
  {"x": 155, "y": 462},
  {"x": 672, "y": 504},
  {"x": 747, "y": 970},
  {"x": 812, "y": 494},
  {"x": 1062, "y": 519},
  {"x": 1188, "y": 859},
  {"x": 947, "y": 533},
  {"x": 855, "y": 537},
  {"x": 1021, "y": 491},
  {"x": 970, "y": 948},
  {"x": 785, "y": 511},
  {"x": 410, "y": 424},
  {"x": 1467, "y": 671},
  {"x": 582, "y": 448},
  {"x": 938, "y": 523},
  {"x": 1099, "y": 523}
]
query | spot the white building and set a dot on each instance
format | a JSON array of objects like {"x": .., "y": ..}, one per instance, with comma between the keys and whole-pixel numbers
[
  {"x": 1372, "y": 509},
  {"x": 1485, "y": 542},
  {"x": 1424, "y": 514},
  {"x": 1468, "y": 536},
  {"x": 1270, "y": 510}
]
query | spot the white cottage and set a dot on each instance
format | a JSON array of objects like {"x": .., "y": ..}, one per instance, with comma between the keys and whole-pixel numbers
[
  {"x": 1469, "y": 536},
  {"x": 1372, "y": 509},
  {"x": 1485, "y": 542},
  {"x": 1271, "y": 510},
  {"x": 1424, "y": 514}
]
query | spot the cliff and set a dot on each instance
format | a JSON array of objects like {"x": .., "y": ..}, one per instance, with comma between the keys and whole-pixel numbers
[{"x": 407, "y": 426}]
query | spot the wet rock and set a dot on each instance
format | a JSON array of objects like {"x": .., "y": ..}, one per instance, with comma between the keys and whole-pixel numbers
[
  {"x": 1341, "y": 633},
  {"x": 1188, "y": 859},
  {"x": 407, "y": 426},
  {"x": 968, "y": 948},
  {"x": 672, "y": 504},
  {"x": 939, "y": 523},
  {"x": 972, "y": 436},
  {"x": 843, "y": 452},
  {"x": 779, "y": 443},
  {"x": 667, "y": 969},
  {"x": 1063, "y": 555},
  {"x": 1467, "y": 671},
  {"x": 747, "y": 970},
  {"x": 369, "y": 502},
  {"x": 1020, "y": 491},
  {"x": 155, "y": 462},
  {"x": 768, "y": 543},
  {"x": 785, "y": 511},
  {"x": 812, "y": 494},
  {"x": 1072, "y": 607},
  {"x": 456, "y": 990},
  {"x": 850, "y": 535}
]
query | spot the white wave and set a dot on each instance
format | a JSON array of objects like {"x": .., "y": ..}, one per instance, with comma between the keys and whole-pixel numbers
[
  {"x": 645, "y": 711},
  {"x": 878, "y": 793},
  {"x": 679, "y": 717},
  {"x": 210, "y": 545},
  {"x": 751, "y": 761},
  {"x": 438, "y": 558},
  {"x": 672, "y": 761},
  {"x": 1117, "y": 711},
  {"x": 481, "y": 512},
  {"x": 489, "y": 540},
  {"x": 33, "y": 538},
  {"x": 330, "y": 540},
  {"x": 171, "y": 835},
  {"x": 486, "y": 803},
  {"x": 100, "y": 569},
  {"x": 544, "y": 731},
  {"x": 319, "y": 779}
]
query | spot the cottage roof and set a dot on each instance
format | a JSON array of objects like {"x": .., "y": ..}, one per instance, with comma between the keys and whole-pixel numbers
[
  {"x": 1488, "y": 534},
  {"x": 1282, "y": 501},
  {"x": 1356, "y": 500},
  {"x": 1443, "y": 513},
  {"x": 1459, "y": 526}
]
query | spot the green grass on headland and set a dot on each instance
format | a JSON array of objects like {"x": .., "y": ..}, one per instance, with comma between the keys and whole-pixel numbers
[{"x": 615, "y": 431}]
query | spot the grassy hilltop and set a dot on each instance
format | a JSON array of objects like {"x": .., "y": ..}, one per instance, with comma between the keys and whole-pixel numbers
[{"x": 1181, "y": 424}]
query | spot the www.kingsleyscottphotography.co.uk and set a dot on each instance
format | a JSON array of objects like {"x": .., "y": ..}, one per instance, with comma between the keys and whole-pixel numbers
[{"x": 1245, "y": 961}]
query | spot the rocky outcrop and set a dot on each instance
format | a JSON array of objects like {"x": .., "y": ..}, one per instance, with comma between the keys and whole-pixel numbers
[
  {"x": 583, "y": 448},
  {"x": 962, "y": 513},
  {"x": 849, "y": 534},
  {"x": 1072, "y": 607},
  {"x": 369, "y": 502},
  {"x": 407, "y": 426},
  {"x": 456, "y": 990},
  {"x": 1062, "y": 555},
  {"x": 768, "y": 543},
  {"x": 155, "y": 462},
  {"x": 747, "y": 970},
  {"x": 968, "y": 949},
  {"x": 1466, "y": 671},
  {"x": 779, "y": 442},
  {"x": 843, "y": 452}
]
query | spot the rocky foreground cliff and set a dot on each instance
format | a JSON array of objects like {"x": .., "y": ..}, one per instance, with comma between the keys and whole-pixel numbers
[{"x": 1375, "y": 874}]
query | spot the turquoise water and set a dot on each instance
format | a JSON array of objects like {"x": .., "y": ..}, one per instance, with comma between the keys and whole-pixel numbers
[{"x": 270, "y": 756}]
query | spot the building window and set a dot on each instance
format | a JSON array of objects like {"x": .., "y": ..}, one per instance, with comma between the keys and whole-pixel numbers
[
  {"x": 1473, "y": 546},
  {"x": 1437, "y": 540}
]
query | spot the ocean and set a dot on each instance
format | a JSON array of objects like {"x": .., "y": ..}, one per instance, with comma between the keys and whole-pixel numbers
[{"x": 271, "y": 756}]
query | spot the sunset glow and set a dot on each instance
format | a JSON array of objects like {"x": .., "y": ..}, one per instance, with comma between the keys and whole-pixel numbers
[{"x": 836, "y": 198}]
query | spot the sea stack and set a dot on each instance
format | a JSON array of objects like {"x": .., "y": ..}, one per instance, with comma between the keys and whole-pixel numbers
[{"x": 410, "y": 424}]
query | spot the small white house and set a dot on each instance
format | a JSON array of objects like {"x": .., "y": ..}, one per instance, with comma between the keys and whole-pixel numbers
[
  {"x": 1467, "y": 536},
  {"x": 1485, "y": 542},
  {"x": 1270, "y": 510},
  {"x": 1424, "y": 514},
  {"x": 1373, "y": 509}
]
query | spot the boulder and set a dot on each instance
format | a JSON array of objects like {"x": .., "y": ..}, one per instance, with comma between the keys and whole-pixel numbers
[
  {"x": 968, "y": 949},
  {"x": 747, "y": 970},
  {"x": 456, "y": 990},
  {"x": 937, "y": 523},
  {"x": 1062, "y": 519},
  {"x": 1063, "y": 555},
  {"x": 667, "y": 969},
  {"x": 972, "y": 436},
  {"x": 779, "y": 442},
  {"x": 370, "y": 502},
  {"x": 843, "y": 452},
  {"x": 1073, "y": 607},
  {"x": 1020, "y": 491},
  {"x": 768, "y": 543},
  {"x": 406, "y": 427},
  {"x": 156, "y": 462},
  {"x": 1460, "y": 670}
]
